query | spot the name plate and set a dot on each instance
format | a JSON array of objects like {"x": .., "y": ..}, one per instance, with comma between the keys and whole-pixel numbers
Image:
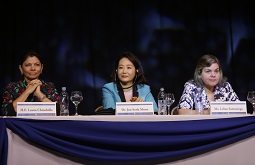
[
  {"x": 134, "y": 108},
  {"x": 36, "y": 109},
  {"x": 228, "y": 108}
]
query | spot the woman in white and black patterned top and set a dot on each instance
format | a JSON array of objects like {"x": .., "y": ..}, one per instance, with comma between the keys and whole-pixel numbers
[{"x": 210, "y": 82}]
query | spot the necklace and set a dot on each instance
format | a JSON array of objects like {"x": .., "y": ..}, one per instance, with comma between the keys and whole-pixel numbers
[{"x": 127, "y": 87}]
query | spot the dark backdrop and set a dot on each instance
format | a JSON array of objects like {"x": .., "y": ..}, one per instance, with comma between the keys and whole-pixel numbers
[{"x": 80, "y": 39}]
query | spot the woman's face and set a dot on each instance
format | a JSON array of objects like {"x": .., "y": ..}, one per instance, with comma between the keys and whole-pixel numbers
[
  {"x": 31, "y": 68},
  {"x": 126, "y": 71},
  {"x": 211, "y": 75}
]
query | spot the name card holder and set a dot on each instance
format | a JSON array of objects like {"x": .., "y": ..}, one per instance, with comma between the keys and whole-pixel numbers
[
  {"x": 134, "y": 108},
  {"x": 36, "y": 109},
  {"x": 228, "y": 108}
]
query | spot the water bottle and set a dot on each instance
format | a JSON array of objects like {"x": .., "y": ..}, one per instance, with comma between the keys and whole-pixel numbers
[
  {"x": 64, "y": 103},
  {"x": 198, "y": 101},
  {"x": 162, "y": 109}
]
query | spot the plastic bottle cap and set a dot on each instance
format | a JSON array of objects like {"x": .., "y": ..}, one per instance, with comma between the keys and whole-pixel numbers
[{"x": 63, "y": 88}]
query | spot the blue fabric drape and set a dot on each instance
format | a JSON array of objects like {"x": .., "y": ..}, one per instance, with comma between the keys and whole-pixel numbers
[{"x": 113, "y": 142}]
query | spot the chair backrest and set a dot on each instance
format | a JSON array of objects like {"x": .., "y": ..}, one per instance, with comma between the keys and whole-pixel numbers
[
  {"x": 174, "y": 111},
  {"x": 101, "y": 111},
  {"x": 99, "y": 108}
]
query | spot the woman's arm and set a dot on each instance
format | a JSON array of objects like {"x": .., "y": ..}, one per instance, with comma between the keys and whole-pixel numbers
[
  {"x": 108, "y": 100},
  {"x": 47, "y": 92},
  {"x": 192, "y": 112}
]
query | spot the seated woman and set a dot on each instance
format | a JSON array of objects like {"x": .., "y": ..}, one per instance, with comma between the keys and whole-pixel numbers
[
  {"x": 128, "y": 85},
  {"x": 209, "y": 84},
  {"x": 29, "y": 88}
]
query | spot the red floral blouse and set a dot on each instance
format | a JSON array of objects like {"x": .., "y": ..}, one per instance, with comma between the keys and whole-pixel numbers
[{"x": 14, "y": 89}]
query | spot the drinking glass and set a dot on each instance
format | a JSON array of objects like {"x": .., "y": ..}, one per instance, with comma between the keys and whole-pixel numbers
[
  {"x": 76, "y": 97},
  {"x": 251, "y": 99},
  {"x": 169, "y": 98}
]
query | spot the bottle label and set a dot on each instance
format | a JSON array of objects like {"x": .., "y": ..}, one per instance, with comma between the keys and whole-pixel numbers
[{"x": 162, "y": 109}]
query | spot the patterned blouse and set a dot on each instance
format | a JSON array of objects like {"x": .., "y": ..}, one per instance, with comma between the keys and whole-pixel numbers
[
  {"x": 14, "y": 89},
  {"x": 191, "y": 90}
]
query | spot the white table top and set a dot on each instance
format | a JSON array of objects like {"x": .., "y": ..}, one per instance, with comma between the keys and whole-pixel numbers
[{"x": 132, "y": 117}]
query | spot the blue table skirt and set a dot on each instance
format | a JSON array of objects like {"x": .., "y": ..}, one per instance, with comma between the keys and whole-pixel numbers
[{"x": 127, "y": 142}]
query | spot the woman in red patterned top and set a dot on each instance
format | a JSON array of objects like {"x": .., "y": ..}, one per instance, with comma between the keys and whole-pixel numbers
[{"x": 30, "y": 88}]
